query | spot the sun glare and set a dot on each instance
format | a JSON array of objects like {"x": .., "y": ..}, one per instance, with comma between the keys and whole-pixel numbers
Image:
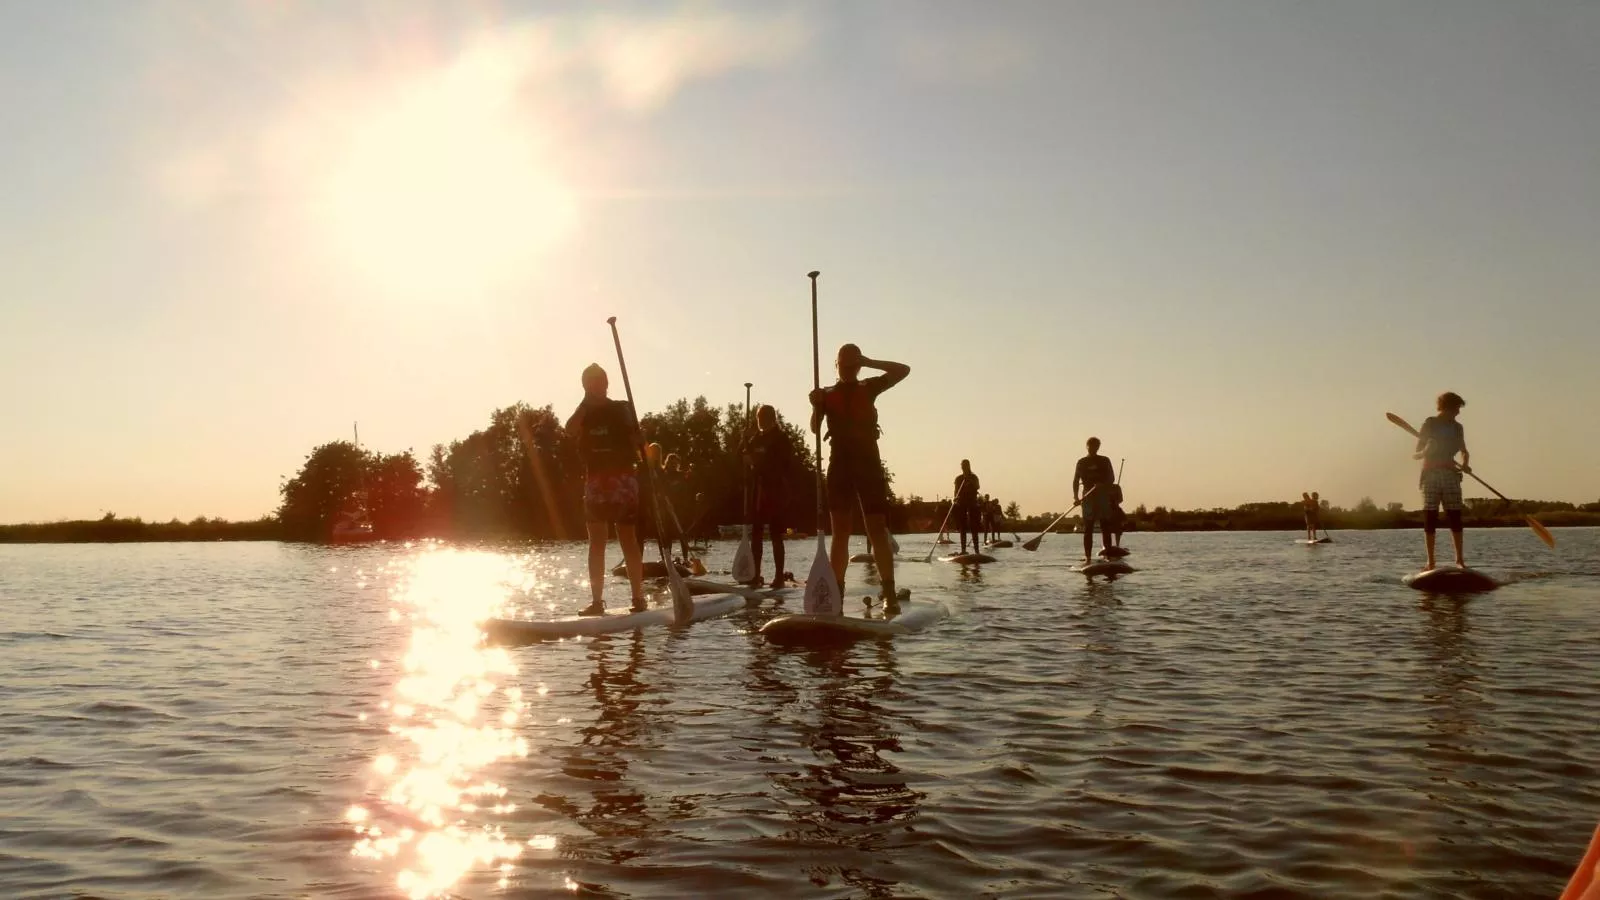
[{"x": 446, "y": 184}]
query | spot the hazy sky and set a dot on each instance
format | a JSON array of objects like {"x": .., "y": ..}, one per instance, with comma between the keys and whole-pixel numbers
[{"x": 1225, "y": 237}]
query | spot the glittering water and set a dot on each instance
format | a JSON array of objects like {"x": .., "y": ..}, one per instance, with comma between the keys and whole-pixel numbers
[{"x": 1241, "y": 717}]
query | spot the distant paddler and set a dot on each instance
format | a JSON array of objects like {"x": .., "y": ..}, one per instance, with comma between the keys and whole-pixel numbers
[
  {"x": 968, "y": 508},
  {"x": 855, "y": 469},
  {"x": 771, "y": 458},
  {"x": 608, "y": 441},
  {"x": 1312, "y": 505},
  {"x": 1094, "y": 476}
]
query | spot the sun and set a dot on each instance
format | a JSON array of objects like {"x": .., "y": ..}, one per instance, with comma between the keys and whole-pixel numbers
[{"x": 444, "y": 184}]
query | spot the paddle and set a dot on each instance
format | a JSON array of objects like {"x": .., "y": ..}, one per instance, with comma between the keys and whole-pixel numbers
[
  {"x": 822, "y": 597},
  {"x": 744, "y": 562},
  {"x": 1033, "y": 542},
  {"x": 682, "y": 605},
  {"x": 946, "y": 522},
  {"x": 1538, "y": 527}
]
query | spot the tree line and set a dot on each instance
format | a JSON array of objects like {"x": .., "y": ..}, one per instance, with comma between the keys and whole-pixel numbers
[{"x": 521, "y": 476}]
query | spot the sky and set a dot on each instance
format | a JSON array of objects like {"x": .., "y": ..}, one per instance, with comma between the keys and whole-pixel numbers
[{"x": 1224, "y": 236}]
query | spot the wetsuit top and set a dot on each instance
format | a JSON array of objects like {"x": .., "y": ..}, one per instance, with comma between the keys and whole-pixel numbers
[
  {"x": 967, "y": 489},
  {"x": 853, "y": 419},
  {"x": 1449, "y": 438},
  {"x": 772, "y": 457},
  {"x": 1094, "y": 470},
  {"x": 606, "y": 439}
]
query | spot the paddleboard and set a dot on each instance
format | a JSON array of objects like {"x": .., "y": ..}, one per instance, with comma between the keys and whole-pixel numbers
[
  {"x": 861, "y": 557},
  {"x": 1114, "y": 552},
  {"x": 1106, "y": 567},
  {"x": 801, "y": 629},
  {"x": 652, "y": 569},
  {"x": 513, "y": 631},
  {"x": 968, "y": 558},
  {"x": 1451, "y": 580},
  {"x": 1000, "y": 544},
  {"x": 751, "y": 594},
  {"x": 1308, "y": 541}
]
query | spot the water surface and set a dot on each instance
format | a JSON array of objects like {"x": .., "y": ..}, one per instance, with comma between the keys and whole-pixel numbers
[{"x": 1243, "y": 716}]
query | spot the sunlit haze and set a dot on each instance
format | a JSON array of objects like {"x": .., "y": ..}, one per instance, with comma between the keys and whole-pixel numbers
[{"x": 1224, "y": 237}]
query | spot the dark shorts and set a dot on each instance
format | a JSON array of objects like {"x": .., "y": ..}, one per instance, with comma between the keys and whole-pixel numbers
[
  {"x": 852, "y": 481},
  {"x": 611, "y": 499},
  {"x": 769, "y": 505}
]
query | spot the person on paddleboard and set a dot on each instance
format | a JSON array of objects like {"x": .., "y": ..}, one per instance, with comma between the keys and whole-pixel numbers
[
  {"x": 968, "y": 507},
  {"x": 1117, "y": 519},
  {"x": 675, "y": 490},
  {"x": 1312, "y": 504},
  {"x": 770, "y": 455},
  {"x": 855, "y": 477},
  {"x": 1439, "y": 440},
  {"x": 1095, "y": 476},
  {"x": 608, "y": 443},
  {"x": 986, "y": 518}
]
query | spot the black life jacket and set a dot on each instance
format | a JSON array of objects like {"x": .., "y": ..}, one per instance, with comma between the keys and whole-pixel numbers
[
  {"x": 606, "y": 442},
  {"x": 852, "y": 417}
]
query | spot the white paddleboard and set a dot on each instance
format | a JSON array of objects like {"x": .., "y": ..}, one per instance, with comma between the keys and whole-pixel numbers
[
  {"x": 751, "y": 594},
  {"x": 913, "y": 616},
  {"x": 711, "y": 606},
  {"x": 1308, "y": 541},
  {"x": 1451, "y": 580},
  {"x": 1001, "y": 544},
  {"x": 861, "y": 557},
  {"x": 1104, "y": 567}
]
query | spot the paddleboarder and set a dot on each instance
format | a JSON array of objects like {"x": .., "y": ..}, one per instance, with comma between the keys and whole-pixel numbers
[
  {"x": 855, "y": 477},
  {"x": 1118, "y": 520},
  {"x": 1440, "y": 439},
  {"x": 968, "y": 508},
  {"x": 608, "y": 441},
  {"x": 1095, "y": 475},
  {"x": 1312, "y": 505},
  {"x": 770, "y": 455}
]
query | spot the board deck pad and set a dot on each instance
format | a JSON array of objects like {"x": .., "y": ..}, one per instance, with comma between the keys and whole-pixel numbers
[
  {"x": 1451, "y": 580},
  {"x": 968, "y": 558}
]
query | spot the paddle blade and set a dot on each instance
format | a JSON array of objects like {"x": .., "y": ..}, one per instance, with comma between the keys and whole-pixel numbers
[
  {"x": 1543, "y": 532},
  {"x": 1402, "y": 423},
  {"x": 682, "y": 600},
  {"x": 894, "y": 544},
  {"x": 744, "y": 561},
  {"x": 1033, "y": 542},
  {"x": 823, "y": 597}
]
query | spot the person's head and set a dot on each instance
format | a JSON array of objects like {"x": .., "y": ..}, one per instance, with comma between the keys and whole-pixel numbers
[
  {"x": 1449, "y": 404},
  {"x": 766, "y": 417},
  {"x": 652, "y": 452},
  {"x": 1315, "y": 496},
  {"x": 1093, "y": 445},
  {"x": 674, "y": 461},
  {"x": 966, "y": 467},
  {"x": 848, "y": 362},
  {"x": 595, "y": 381},
  {"x": 1304, "y": 496}
]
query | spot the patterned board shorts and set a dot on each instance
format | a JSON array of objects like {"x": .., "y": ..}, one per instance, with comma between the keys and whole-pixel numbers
[
  {"x": 611, "y": 498},
  {"x": 1441, "y": 487},
  {"x": 1097, "y": 506}
]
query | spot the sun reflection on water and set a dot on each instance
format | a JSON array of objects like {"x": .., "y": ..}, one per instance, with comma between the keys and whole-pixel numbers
[{"x": 438, "y": 814}]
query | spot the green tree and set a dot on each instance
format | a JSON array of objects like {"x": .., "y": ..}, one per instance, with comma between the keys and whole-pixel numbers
[{"x": 326, "y": 486}]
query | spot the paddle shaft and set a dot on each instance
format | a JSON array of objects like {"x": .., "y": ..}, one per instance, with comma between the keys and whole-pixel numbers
[
  {"x": 1033, "y": 543},
  {"x": 943, "y": 525},
  {"x": 681, "y": 603},
  {"x": 816, "y": 384}
]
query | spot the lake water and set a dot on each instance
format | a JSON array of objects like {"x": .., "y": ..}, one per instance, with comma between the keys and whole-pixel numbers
[{"x": 1242, "y": 717}]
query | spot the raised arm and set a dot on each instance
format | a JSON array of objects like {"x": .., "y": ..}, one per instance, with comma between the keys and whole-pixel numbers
[{"x": 893, "y": 372}]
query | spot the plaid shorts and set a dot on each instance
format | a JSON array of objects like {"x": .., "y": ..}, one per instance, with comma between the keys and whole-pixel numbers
[{"x": 1441, "y": 487}]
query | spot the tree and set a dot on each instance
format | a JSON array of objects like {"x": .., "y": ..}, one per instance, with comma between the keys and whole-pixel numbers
[
  {"x": 324, "y": 488},
  {"x": 1365, "y": 506},
  {"x": 1013, "y": 510}
]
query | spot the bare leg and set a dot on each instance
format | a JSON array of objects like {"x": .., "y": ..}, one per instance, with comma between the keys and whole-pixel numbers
[
  {"x": 1105, "y": 534},
  {"x": 755, "y": 547},
  {"x": 1456, "y": 538},
  {"x": 882, "y": 552},
  {"x": 1088, "y": 540},
  {"x": 777, "y": 553},
  {"x": 1430, "y": 521},
  {"x": 839, "y": 556},
  {"x": 597, "y": 563},
  {"x": 633, "y": 558}
]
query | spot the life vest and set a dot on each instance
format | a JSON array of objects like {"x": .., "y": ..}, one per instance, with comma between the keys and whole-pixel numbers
[
  {"x": 605, "y": 442},
  {"x": 852, "y": 417}
]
